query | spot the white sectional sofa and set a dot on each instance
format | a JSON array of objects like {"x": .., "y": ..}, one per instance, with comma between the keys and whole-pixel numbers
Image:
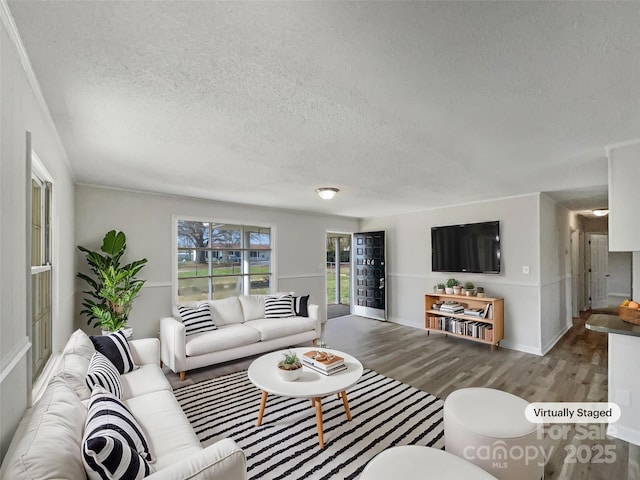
[
  {"x": 48, "y": 442},
  {"x": 242, "y": 330}
]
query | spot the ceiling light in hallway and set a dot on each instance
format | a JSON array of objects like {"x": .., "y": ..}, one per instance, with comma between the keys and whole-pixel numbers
[{"x": 327, "y": 193}]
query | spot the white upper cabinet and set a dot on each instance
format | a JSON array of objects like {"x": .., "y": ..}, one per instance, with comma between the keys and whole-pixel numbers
[{"x": 624, "y": 197}]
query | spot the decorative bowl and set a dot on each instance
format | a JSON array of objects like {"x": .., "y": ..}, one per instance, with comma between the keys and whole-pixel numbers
[{"x": 629, "y": 315}]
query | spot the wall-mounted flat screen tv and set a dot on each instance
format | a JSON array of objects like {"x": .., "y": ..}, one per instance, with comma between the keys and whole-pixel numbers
[{"x": 471, "y": 248}]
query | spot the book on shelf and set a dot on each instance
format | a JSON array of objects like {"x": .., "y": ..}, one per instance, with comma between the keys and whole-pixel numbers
[
  {"x": 452, "y": 308},
  {"x": 488, "y": 311},
  {"x": 474, "y": 312},
  {"x": 488, "y": 333}
]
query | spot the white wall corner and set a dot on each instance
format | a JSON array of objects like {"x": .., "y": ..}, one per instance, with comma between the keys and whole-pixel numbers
[
  {"x": 14, "y": 35},
  {"x": 546, "y": 348}
]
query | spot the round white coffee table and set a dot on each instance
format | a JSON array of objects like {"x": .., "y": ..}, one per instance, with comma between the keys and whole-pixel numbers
[{"x": 310, "y": 384}]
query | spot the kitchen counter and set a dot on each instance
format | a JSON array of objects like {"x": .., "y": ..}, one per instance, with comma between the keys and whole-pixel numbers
[{"x": 611, "y": 324}]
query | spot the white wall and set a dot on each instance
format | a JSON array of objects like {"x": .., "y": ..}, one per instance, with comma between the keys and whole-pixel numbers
[
  {"x": 619, "y": 280},
  {"x": 556, "y": 223},
  {"x": 22, "y": 110},
  {"x": 146, "y": 219},
  {"x": 409, "y": 263}
]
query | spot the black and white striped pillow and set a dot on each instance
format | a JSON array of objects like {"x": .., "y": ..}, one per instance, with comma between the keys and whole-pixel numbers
[
  {"x": 114, "y": 445},
  {"x": 106, "y": 457},
  {"x": 103, "y": 373},
  {"x": 196, "y": 320},
  {"x": 115, "y": 347},
  {"x": 278, "y": 306}
]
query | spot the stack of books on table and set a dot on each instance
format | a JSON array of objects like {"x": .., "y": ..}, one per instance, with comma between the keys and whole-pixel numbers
[{"x": 324, "y": 366}]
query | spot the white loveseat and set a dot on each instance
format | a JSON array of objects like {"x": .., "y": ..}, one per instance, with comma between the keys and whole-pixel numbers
[
  {"x": 242, "y": 330},
  {"x": 48, "y": 442}
]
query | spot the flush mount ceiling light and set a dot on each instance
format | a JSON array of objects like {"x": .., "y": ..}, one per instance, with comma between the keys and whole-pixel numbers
[
  {"x": 327, "y": 193},
  {"x": 600, "y": 212}
]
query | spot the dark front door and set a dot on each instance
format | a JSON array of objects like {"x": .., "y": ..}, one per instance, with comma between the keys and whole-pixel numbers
[{"x": 369, "y": 293}]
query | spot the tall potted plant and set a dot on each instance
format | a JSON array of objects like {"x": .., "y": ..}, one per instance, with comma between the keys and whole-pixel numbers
[{"x": 113, "y": 286}]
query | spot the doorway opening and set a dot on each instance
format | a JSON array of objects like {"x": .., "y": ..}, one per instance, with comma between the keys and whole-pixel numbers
[
  {"x": 602, "y": 279},
  {"x": 338, "y": 274}
]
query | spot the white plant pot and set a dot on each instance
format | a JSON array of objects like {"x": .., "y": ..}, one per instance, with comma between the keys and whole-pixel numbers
[
  {"x": 449, "y": 291},
  {"x": 128, "y": 332},
  {"x": 457, "y": 290},
  {"x": 289, "y": 375}
]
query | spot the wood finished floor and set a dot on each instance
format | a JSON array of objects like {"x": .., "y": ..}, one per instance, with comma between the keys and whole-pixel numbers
[{"x": 574, "y": 370}]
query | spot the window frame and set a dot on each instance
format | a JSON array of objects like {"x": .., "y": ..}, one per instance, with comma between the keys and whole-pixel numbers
[
  {"x": 43, "y": 179},
  {"x": 245, "y": 258}
]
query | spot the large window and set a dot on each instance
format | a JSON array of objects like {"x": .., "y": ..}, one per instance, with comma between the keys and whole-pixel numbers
[
  {"x": 217, "y": 260},
  {"x": 40, "y": 273}
]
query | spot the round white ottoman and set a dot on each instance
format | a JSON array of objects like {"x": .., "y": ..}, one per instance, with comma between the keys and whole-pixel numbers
[
  {"x": 488, "y": 427},
  {"x": 411, "y": 462}
]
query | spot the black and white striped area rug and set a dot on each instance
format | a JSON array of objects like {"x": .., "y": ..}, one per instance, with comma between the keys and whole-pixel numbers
[{"x": 385, "y": 412}]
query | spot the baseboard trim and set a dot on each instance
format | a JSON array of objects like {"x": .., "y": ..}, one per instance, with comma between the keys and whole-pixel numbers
[
  {"x": 406, "y": 323},
  {"x": 503, "y": 344},
  {"x": 556, "y": 339},
  {"x": 519, "y": 347},
  {"x": 624, "y": 433}
]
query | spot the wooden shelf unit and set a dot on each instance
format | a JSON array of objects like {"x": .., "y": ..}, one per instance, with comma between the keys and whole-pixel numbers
[{"x": 496, "y": 317}]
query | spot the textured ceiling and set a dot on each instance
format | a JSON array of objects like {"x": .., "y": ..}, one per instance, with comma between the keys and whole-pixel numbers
[{"x": 404, "y": 106}]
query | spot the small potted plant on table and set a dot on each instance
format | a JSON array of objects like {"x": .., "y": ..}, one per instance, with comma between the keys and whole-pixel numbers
[
  {"x": 290, "y": 367},
  {"x": 480, "y": 292},
  {"x": 451, "y": 283},
  {"x": 440, "y": 288}
]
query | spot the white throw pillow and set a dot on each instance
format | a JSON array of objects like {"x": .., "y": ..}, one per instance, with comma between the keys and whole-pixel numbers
[
  {"x": 252, "y": 306},
  {"x": 79, "y": 344}
]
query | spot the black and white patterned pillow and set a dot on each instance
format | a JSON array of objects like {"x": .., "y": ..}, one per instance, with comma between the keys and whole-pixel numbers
[
  {"x": 278, "y": 306},
  {"x": 115, "y": 347},
  {"x": 114, "y": 445},
  {"x": 106, "y": 457},
  {"x": 300, "y": 306},
  {"x": 196, "y": 320},
  {"x": 103, "y": 373}
]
